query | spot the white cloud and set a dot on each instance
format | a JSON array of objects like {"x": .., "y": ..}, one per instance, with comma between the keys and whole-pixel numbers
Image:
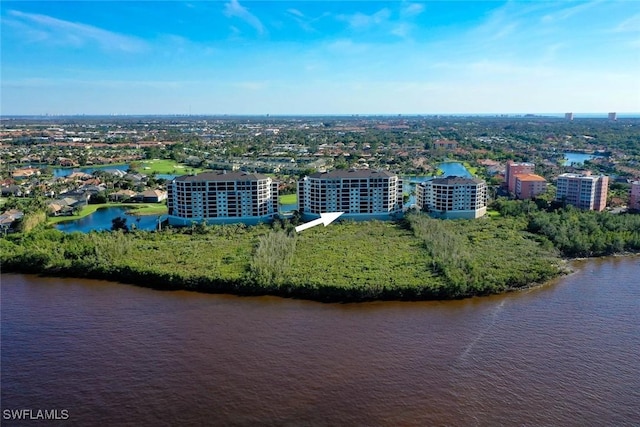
[
  {"x": 401, "y": 30},
  {"x": 567, "y": 12},
  {"x": 412, "y": 9},
  {"x": 236, "y": 10},
  {"x": 359, "y": 21},
  {"x": 43, "y": 28},
  {"x": 631, "y": 24},
  {"x": 296, "y": 12}
]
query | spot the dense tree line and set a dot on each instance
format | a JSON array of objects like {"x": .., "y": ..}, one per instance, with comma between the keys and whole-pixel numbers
[{"x": 574, "y": 232}]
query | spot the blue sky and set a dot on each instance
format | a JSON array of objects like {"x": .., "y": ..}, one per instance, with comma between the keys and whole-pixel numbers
[{"x": 319, "y": 57}]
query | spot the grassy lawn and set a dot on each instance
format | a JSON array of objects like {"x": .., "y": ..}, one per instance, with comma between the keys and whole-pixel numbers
[
  {"x": 493, "y": 214},
  {"x": 136, "y": 208},
  {"x": 148, "y": 209},
  {"x": 166, "y": 166},
  {"x": 288, "y": 199},
  {"x": 472, "y": 169}
]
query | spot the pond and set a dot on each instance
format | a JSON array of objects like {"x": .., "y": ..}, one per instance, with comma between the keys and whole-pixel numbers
[
  {"x": 454, "y": 169},
  {"x": 288, "y": 207},
  {"x": 101, "y": 220},
  {"x": 448, "y": 169},
  {"x": 62, "y": 172},
  {"x": 167, "y": 176},
  {"x": 578, "y": 158}
]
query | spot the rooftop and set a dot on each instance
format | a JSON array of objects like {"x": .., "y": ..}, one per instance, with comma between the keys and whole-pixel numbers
[
  {"x": 580, "y": 176},
  {"x": 529, "y": 177},
  {"x": 353, "y": 173},
  {"x": 222, "y": 176},
  {"x": 456, "y": 180}
]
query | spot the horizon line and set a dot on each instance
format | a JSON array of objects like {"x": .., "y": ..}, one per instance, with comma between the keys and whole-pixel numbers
[{"x": 351, "y": 115}]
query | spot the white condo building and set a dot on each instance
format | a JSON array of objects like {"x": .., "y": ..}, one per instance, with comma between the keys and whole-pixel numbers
[
  {"x": 360, "y": 194},
  {"x": 453, "y": 197},
  {"x": 221, "y": 197}
]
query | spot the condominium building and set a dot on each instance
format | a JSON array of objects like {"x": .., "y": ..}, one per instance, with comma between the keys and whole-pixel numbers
[
  {"x": 360, "y": 194},
  {"x": 529, "y": 185},
  {"x": 514, "y": 169},
  {"x": 634, "y": 197},
  {"x": 221, "y": 197},
  {"x": 583, "y": 191},
  {"x": 453, "y": 197}
]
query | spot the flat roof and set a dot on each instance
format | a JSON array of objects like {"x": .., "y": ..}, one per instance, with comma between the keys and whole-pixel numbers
[
  {"x": 222, "y": 176},
  {"x": 456, "y": 180},
  {"x": 352, "y": 173}
]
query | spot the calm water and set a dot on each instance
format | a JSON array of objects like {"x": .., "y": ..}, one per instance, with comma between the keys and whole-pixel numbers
[
  {"x": 578, "y": 158},
  {"x": 62, "y": 172},
  {"x": 448, "y": 169},
  {"x": 101, "y": 220},
  {"x": 111, "y": 354},
  {"x": 454, "y": 169}
]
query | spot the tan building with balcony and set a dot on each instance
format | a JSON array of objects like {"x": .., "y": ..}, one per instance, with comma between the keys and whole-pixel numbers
[
  {"x": 360, "y": 194},
  {"x": 221, "y": 197},
  {"x": 453, "y": 197}
]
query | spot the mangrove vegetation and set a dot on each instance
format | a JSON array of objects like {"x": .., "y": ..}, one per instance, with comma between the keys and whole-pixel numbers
[{"x": 416, "y": 258}]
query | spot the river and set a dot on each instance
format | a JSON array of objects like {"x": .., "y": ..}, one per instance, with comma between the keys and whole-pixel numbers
[{"x": 111, "y": 354}]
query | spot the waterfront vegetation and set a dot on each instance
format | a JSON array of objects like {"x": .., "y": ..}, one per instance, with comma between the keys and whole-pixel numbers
[{"x": 415, "y": 258}]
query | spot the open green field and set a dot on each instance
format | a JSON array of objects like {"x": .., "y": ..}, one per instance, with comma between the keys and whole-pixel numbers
[
  {"x": 166, "y": 166},
  {"x": 136, "y": 209},
  {"x": 288, "y": 199}
]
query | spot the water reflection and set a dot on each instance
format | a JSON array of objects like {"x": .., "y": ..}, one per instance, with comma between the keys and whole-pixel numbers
[{"x": 102, "y": 220}]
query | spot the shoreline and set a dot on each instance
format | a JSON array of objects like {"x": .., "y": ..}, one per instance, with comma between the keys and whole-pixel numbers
[
  {"x": 422, "y": 259},
  {"x": 329, "y": 294}
]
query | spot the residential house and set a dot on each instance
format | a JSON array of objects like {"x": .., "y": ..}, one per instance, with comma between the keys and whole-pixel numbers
[
  {"x": 151, "y": 196},
  {"x": 9, "y": 219},
  {"x": 121, "y": 195}
]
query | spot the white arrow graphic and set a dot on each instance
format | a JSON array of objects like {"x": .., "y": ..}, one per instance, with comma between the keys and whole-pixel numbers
[{"x": 325, "y": 218}]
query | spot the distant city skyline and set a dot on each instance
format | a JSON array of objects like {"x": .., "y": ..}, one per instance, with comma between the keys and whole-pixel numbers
[{"x": 319, "y": 58}]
